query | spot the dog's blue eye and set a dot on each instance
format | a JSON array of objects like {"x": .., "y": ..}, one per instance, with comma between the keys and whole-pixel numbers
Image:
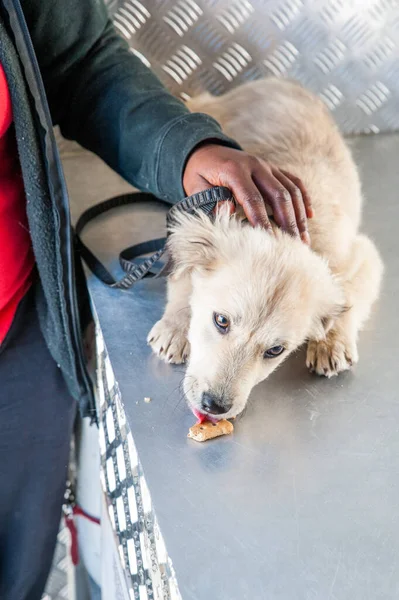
[
  {"x": 273, "y": 352},
  {"x": 221, "y": 322}
]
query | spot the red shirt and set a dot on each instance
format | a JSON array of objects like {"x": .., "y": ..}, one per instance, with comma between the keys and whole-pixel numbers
[{"x": 16, "y": 255}]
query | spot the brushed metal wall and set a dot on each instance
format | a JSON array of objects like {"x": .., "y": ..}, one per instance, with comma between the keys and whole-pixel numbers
[{"x": 345, "y": 50}]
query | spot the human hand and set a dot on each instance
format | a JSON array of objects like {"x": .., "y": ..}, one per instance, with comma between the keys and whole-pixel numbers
[{"x": 254, "y": 184}]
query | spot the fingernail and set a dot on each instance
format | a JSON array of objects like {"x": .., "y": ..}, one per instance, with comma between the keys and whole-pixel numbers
[
  {"x": 310, "y": 213},
  {"x": 305, "y": 237}
]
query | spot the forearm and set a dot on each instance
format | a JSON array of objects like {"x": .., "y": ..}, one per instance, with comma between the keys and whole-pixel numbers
[
  {"x": 105, "y": 98},
  {"x": 122, "y": 112}
]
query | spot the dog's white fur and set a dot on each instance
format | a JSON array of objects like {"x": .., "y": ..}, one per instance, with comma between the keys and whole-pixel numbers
[{"x": 274, "y": 289}]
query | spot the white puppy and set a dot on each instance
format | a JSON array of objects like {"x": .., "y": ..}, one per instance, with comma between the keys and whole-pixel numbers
[{"x": 239, "y": 299}]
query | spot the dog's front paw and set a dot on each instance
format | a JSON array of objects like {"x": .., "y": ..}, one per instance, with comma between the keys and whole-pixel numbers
[
  {"x": 168, "y": 340},
  {"x": 331, "y": 356}
]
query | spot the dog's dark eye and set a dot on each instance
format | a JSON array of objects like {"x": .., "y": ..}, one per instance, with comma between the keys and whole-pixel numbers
[
  {"x": 221, "y": 322},
  {"x": 273, "y": 352}
]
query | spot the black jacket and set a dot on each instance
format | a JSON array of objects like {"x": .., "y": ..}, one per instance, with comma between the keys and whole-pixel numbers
[{"x": 66, "y": 65}]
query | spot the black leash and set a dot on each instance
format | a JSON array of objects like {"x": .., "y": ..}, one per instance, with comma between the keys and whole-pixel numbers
[{"x": 206, "y": 201}]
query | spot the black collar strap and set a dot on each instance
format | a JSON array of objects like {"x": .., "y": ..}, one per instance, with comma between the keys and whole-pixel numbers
[{"x": 206, "y": 201}]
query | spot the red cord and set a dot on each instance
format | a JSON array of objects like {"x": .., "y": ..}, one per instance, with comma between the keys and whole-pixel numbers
[
  {"x": 70, "y": 523},
  {"x": 77, "y": 511}
]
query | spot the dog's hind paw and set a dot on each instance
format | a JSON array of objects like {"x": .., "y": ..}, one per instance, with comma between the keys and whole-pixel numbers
[
  {"x": 331, "y": 356},
  {"x": 168, "y": 340}
]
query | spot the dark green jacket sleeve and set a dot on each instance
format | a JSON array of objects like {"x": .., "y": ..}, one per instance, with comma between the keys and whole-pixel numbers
[{"x": 104, "y": 97}]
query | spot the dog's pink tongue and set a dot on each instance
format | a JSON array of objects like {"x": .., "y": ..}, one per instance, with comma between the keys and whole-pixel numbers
[{"x": 201, "y": 417}]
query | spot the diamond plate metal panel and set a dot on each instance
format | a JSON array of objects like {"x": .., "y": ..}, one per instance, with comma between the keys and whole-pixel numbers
[
  {"x": 347, "y": 51},
  {"x": 58, "y": 585}
]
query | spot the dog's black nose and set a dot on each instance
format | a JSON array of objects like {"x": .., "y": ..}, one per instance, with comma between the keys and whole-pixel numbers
[{"x": 213, "y": 405}]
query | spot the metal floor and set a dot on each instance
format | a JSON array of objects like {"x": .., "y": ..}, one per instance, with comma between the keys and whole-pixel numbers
[
  {"x": 58, "y": 585},
  {"x": 309, "y": 479},
  {"x": 90, "y": 181}
]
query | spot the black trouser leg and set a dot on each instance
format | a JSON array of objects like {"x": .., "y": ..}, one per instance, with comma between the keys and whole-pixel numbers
[{"x": 36, "y": 422}]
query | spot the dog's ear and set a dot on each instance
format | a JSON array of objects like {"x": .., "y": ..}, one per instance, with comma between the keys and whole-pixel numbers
[
  {"x": 193, "y": 243},
  {"x": 331, "y": 305}
]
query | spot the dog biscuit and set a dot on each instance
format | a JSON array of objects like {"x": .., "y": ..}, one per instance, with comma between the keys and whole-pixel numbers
[{"x": 200, "y": 432}]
